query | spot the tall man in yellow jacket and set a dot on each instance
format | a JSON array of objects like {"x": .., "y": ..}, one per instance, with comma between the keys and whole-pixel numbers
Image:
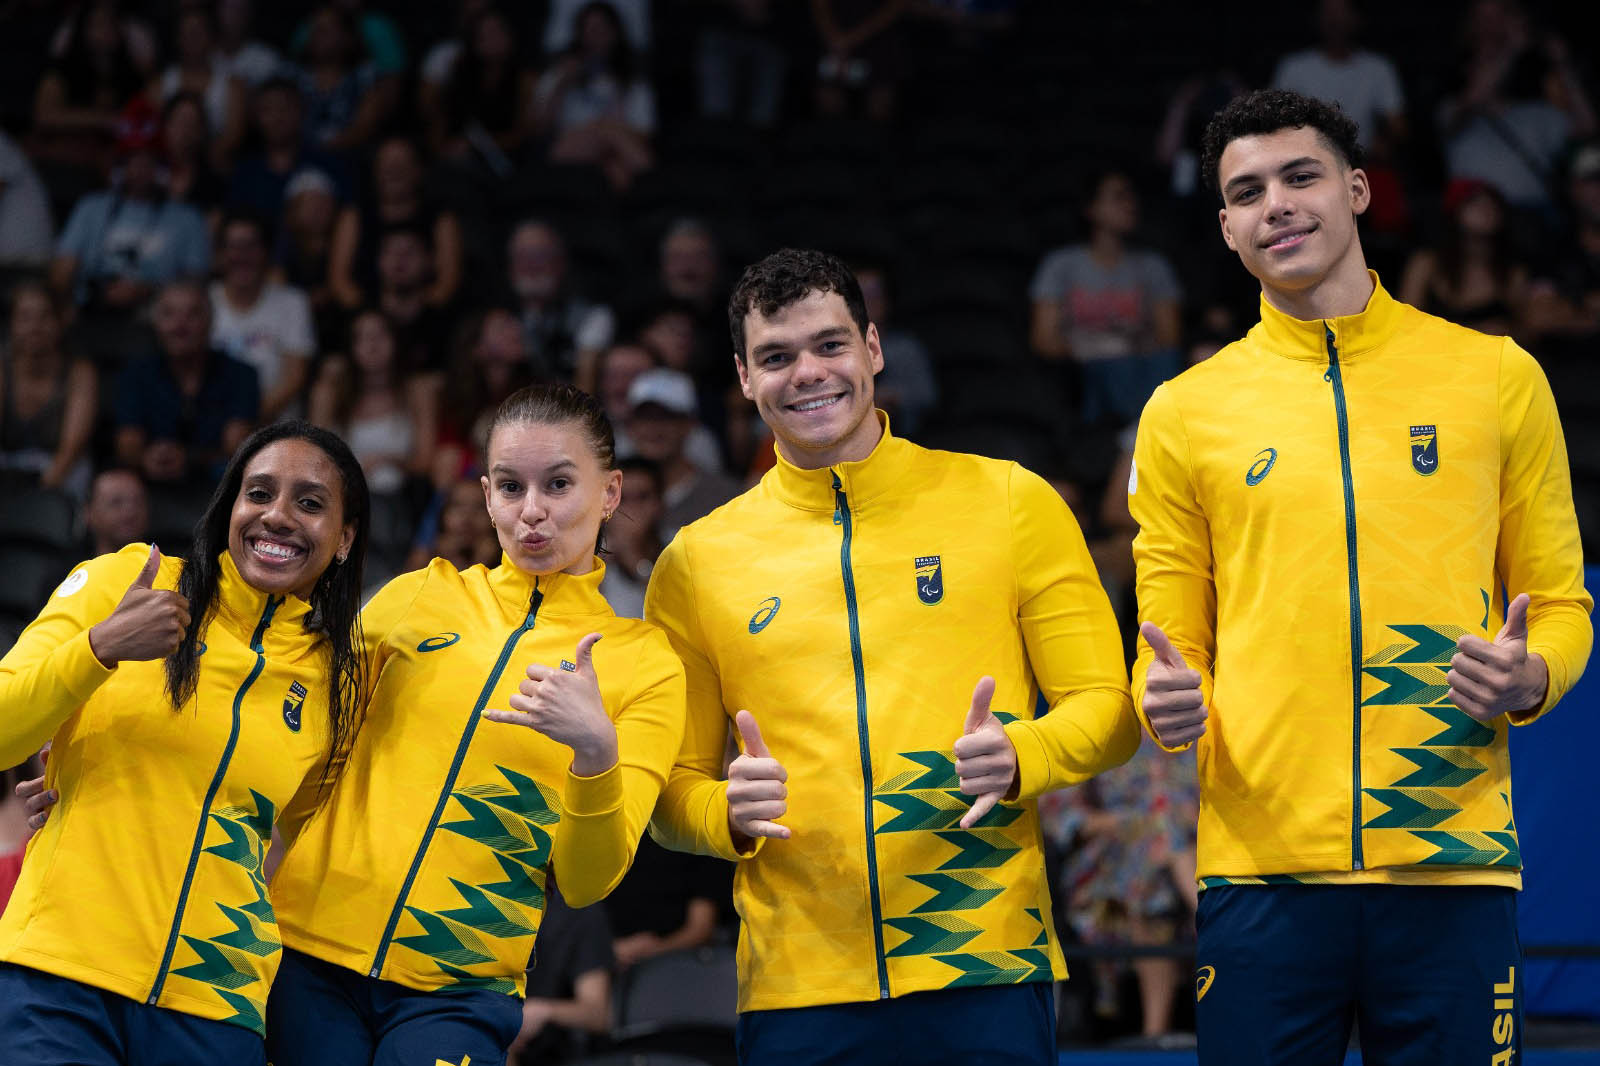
[
  {"x": 1332, "y": 512},
  {"x": 880, "y": 621}
]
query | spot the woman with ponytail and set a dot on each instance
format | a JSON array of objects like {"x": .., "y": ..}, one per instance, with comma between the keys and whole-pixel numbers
[{"x": 190, "y": 706}]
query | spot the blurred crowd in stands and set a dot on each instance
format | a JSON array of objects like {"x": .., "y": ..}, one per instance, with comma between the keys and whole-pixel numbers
[{"x": 386, "y": 218}]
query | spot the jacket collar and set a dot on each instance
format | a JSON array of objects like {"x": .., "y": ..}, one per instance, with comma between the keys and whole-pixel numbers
[
  {"x": 814, "y": 490},
  {"x": 241, "y": 605},
  {"x": 1354, "y": 335},
  {"x": 564, "y": 594}
]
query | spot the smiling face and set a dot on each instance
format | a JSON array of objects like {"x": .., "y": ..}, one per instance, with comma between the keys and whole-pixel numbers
[
  {"x": 547, "y": 494},
  {"x": 809, "y": 372},
  {"x": 1289, "y": 209},
  {"x": 288, "y": 521}
]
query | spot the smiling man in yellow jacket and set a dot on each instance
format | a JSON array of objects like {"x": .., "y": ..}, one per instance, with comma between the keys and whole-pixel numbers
[
  {"x": 1332, "y": 512},
  {"x": 881, "y": 620}
]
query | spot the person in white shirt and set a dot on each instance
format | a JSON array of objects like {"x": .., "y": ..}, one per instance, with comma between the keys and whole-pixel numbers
[
  {"x": 262, "y": 323},
  {"x": 1363, "y": 84}
]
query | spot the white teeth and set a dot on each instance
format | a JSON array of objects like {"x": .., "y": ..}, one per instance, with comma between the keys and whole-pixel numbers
[
  {"x": 816, "y": 404},
  {"x": 276, "y": 551}
]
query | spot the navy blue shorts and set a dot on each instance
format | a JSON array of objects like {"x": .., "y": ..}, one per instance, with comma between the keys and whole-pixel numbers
[
  {"x": 320, "y": 1014},
  {"x": 1430, "y": 975},
  {"x": 1004, "y": 1025},
  {"x": 47, "y": 1020}
]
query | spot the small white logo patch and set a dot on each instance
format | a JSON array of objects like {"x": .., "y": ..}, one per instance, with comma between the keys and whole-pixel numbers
[
  {"x": 75, "y": 581},
  {"x": 1133, "y": 477}
]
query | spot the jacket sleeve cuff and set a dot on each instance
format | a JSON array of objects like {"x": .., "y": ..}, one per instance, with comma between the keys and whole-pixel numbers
[
  {"x": 590, "y": 797},
  {"x": 1033, "y": 762},
  {"x": 80, "y": 672},
  {"x": 715, "y": 828},
  {"x": 1555, "y": 686}
]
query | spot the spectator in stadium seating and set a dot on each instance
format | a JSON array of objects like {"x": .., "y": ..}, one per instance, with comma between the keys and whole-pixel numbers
[
  {"x": 120, "y": 245},
  {"x": 347, "y": 98},
  {"x": 457, "y": 529},
  {"x": 310, "y": 211},
  {"x": 489, "y": 362},
  {"x": 47, "y": 397},
  {"x": 667, "y": 901},
  {"x": 1110, "y": 308},
  {"x": 486, "y": 106},
  {"x": 863, "y": 55},
  {"x": 439, "y": 61},
  {"x": 661, "y": 422},
  {"x": 1365, "y": 85},
  {"x": 118, "y": 511},
  {"x": 1518, "y": 102},
  {"x": 245, "y": 56},
  {"x": 690, "y": 264},
  {"x": 397, "y": 198},
  {"x": 264, "y": 323},
  {"x": 1178, "y": 141},
  {"x": 633, "y": 537},
  {"x": 1564, "y": 298},
  {"x": 563, "y": 24},
  {"x": 741, "y": 62},
  {"x": 565, "y": 331},
  {"x": 260, "y": 179},
  {"x": 614, "y": 371},
  {"x": 199, "y": 68},
  {"x": 1471, "y": 276},
  {"x": 378, "y": 36},
  {"x": 1128, "y": 840},
  {"x": 596, "y": 104},
  {"x": 27, "y": 235},
  {"x": 15, "y": 828},
  {"x": 405, "y": 280},
  {"x": 569, "y": 983},
  {"x": 907, "y": 388},
  {"x": 387, "y": 418},
  {"x": 98, "y": 66},
  {"x": 185, "y": 142},
  {"x": 181, "y": 412}
]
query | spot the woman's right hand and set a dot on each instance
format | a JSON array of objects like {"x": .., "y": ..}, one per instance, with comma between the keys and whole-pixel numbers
[
  {"x": 148, "y": 623},
  {"x": 37, "y": 801}
]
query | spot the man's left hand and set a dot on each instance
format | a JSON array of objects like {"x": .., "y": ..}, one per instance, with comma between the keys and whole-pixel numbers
[
  {"x": 986, "y": 761},
  {"x": 1487, "y": 680}
]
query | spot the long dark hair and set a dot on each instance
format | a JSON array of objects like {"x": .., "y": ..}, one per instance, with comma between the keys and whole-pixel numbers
[{"x": 335, "y": 599}]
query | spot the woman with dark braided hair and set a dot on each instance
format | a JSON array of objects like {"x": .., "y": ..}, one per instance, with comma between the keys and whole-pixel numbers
[
  {"x": 409, "y": 901},
  {"x": 190, "y": 706}
]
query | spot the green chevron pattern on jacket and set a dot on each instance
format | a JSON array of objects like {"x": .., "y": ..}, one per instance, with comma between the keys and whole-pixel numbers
[
  {"x": 235, "y": 959},
  {"x": 516, "y": 821},
  {"x": 998, "y": 967}
]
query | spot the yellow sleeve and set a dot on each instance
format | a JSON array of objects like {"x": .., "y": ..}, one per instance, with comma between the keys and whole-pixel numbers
[
  {"x": 1538, "y": 551},
  {"x": 51, "y": 671},
  {"x": 693, "y": 813},
  {"x": 606, "y": 814},
  {"x": 1073, "y": 646},
  {"x": 1172, "y": 551}
]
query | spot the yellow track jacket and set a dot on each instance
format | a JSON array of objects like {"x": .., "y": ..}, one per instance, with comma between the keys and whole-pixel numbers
[
  {"x": 146, "y": 881},
  {"x": 1324, "y": 508},
  {"x": 427, "y": 864},
  {"x": 852, "y": 610}
]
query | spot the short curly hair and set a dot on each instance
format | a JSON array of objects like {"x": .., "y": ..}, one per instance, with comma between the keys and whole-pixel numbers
[
  {"x": 1268, "y": 111},
  {"x": 786, "y": 277}
]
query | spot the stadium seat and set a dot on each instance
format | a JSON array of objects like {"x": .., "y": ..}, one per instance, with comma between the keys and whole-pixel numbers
[
  {"x": 41, "y": 517},
  {"x": 32, "y": 574},
  {"x": 682, "y": 988}
]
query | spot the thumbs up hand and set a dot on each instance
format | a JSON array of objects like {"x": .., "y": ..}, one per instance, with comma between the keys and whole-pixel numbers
[
  {"x": 565, "y": 706},
  {"x": 148, "y": 624},
  {"x": 1172, "y": 699},
  {"x": 1487, "y": 680},
  {"x": 757, "y": 795},
  {"x": 986, "y": 760}
]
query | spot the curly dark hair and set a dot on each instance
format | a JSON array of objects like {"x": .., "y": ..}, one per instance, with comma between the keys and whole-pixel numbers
[
  {"x": 1268, "y": 111},
  {"x": 785, "y": 277},
  {"x": 335, "y": 598}
]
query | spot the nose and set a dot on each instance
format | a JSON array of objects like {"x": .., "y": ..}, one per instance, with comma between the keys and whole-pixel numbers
[
  {"x": 1279, "y": 203},
  {"x": 808, "y": 368},
  {"x": 276, "y": 515},
  {"x": 534, "y": 509}
]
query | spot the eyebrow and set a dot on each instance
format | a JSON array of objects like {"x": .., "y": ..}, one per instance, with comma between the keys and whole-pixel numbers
[
  {"x": 562, "y": 464},
  {"x": 1293, "y": 164},
  {"x": 827, "y": 333},
  {"x": 299, "y": 486}
]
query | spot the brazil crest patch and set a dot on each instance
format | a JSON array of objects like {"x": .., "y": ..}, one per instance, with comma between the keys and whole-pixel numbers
[
  {"x": 292, "y": 704},
  {"x": 930, "y": 579},
  {"x": 1425, "y": 449}
]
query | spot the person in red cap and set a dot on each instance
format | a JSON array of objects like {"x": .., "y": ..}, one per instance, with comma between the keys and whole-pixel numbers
[{"x": 119, "y": 245}]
